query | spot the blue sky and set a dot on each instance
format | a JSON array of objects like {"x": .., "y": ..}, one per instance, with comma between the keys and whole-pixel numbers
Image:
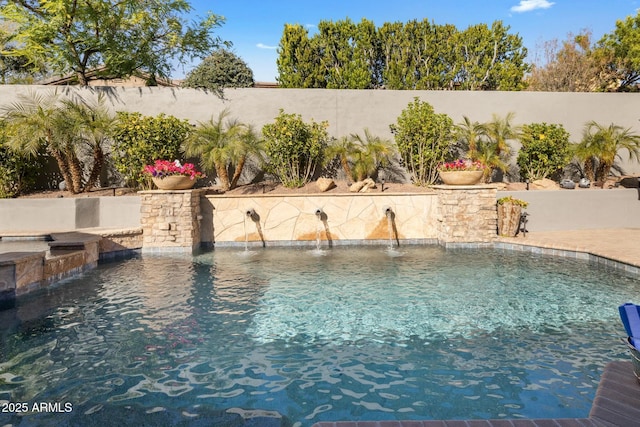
[{"x": 255, "y": 27}]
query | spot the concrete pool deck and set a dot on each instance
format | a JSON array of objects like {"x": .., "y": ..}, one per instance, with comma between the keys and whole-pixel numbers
[{"x": 616, "y": 244}]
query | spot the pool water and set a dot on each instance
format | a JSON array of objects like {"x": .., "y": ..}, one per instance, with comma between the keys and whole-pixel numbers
[{"x": 292, "y": 337}]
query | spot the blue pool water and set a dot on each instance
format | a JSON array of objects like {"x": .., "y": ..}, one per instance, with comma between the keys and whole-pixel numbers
[{"x": 292, "y": 337}]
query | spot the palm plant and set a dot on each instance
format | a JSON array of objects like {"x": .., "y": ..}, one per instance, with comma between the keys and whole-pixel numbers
[
  {"x": 361, "y": 156},
  {"x": 343, "y": 149},
  {"x": 470, "y": 134},
  {"x": 500, "y": 130},
  {"x": 600, "y": 147},
  {"x": 92, "y": 123},
  {"x": 36, "y": 121},
  {"x": 488, "y": 155},
  {"x": 223, "y": 144}
]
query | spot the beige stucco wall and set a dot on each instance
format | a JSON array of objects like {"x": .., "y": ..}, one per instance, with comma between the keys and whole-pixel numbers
[{"x": 350, "y": 111}]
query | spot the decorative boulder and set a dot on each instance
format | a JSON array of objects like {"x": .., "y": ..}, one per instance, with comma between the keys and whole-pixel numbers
[
  {"x": 544, "y": 184},
  {"x": 325, "y": 184},
  {"x": 362, "y": 186}
]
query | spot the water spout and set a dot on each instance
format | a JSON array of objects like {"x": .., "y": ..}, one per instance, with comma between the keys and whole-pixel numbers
[
  {"x": 388, "y": 212},
  {"x": 251, "y": 213},
  {"x": 319, "y": 226}
]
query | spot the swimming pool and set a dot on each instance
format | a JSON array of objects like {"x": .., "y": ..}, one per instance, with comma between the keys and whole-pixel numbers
[{"x": 293, "y": 337}]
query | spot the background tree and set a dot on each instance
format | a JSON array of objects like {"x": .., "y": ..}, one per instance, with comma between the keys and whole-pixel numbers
[
  {"x": 424, "y": 140},
  {"x": 569, "y": 66},
  {"x": 115, "y": 38},
  {"x": 221, "y": 69},
  {"x": 223, "y": 144},
  {"x": 621, "y": 51},
  {"x": 490, "y": 58},
  {"x": 415, "y": 55},
  {"x": 298, "y": 59}
]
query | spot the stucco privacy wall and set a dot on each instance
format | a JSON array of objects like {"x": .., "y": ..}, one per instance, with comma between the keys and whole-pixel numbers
[{"x": 350, "y": 111}]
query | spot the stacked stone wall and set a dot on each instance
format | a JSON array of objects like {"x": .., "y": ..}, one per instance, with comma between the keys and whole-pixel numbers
[
  {"x": 466, "y": 214},
  {"x": 170, "y": 220}
]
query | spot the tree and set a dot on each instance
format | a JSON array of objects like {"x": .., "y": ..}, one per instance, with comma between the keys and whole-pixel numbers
[
  {"x": 601, "y": 146},
  {"x": 223, "y": 144},
  {"x": 490, "y": 58},
  {"x": 221, "y": 69},
  {"x": 113, "y": 39},
  {"x": 63, "y": 128},
  {"x": 298, "y": 59},
  {"x": 621, "y": 48},
  {"x": 415, "y": 55},
  {"x": 424, "y": 140},
  {"x": 569, "y": 66}
]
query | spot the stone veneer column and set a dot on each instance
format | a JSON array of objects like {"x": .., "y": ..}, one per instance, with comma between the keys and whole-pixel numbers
[
  {"x": 170, "y": 220},
  {"x": 466, "y": 213}
]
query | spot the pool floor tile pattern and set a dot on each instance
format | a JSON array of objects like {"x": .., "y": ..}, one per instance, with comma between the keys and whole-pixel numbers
[{"x": 617, "y": 404}]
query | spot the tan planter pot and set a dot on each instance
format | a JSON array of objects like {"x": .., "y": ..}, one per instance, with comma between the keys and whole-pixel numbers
[
  {"x": 508, "y": 219},
  {"x": 460, "y": 177},
  {"x": 174, "y": 182}
]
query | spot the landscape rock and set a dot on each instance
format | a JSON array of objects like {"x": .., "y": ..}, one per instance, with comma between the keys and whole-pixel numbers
[
  {"x": 544, "y": 184},
  {"x": 362, "y": 186},
  {"x": 325, "y": 184}
]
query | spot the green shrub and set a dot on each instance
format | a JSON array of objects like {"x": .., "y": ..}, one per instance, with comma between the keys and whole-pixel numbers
[
  {"x": 294, "y": 149},
  {"x": 545, "y": 151},
  {"x": 140, "y": 140},
  {"x": 424, "y": 139},
  {"x": 17, "y": 171}
]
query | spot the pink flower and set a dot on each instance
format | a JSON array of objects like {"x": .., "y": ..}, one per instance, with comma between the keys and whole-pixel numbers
[
  {"x": 162, "y": 168},
  {"x": 461, "y": 165}
]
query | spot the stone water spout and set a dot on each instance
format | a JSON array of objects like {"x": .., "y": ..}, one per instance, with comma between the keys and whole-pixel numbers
[
  {"x": 391, "y": 226},
  {"x": 322, "y": 225},
  {"x": 252, "y": 215}
]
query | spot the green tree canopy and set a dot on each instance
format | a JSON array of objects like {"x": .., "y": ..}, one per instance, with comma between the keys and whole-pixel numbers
[
  {"x": 116, "y": 39},
  {"x": 219, "y": 70},
  {"x": 412, "y": 55},
  {"x": 622, "y": 48}
]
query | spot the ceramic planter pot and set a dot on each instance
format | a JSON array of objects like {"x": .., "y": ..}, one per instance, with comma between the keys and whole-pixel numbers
[
  {"x": 174, "y": 182},
  {"x": 460, "y": 177}
]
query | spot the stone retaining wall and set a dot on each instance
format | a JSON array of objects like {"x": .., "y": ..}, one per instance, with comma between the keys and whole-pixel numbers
[
  {"x": 466, "y": 214},
  {"x": 170, "y": 220}
]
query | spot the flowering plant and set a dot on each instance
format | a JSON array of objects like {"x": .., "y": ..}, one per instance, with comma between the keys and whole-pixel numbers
[
  {"x": 461, "y": 165},
  {"x": 162, "y": 168}
]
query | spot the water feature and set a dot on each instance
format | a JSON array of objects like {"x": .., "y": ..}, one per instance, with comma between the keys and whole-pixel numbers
[
  {"x": 319, "y": 227},
  {"x": 356, "y": 335},
  {"x": 390, "y": 215}
]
